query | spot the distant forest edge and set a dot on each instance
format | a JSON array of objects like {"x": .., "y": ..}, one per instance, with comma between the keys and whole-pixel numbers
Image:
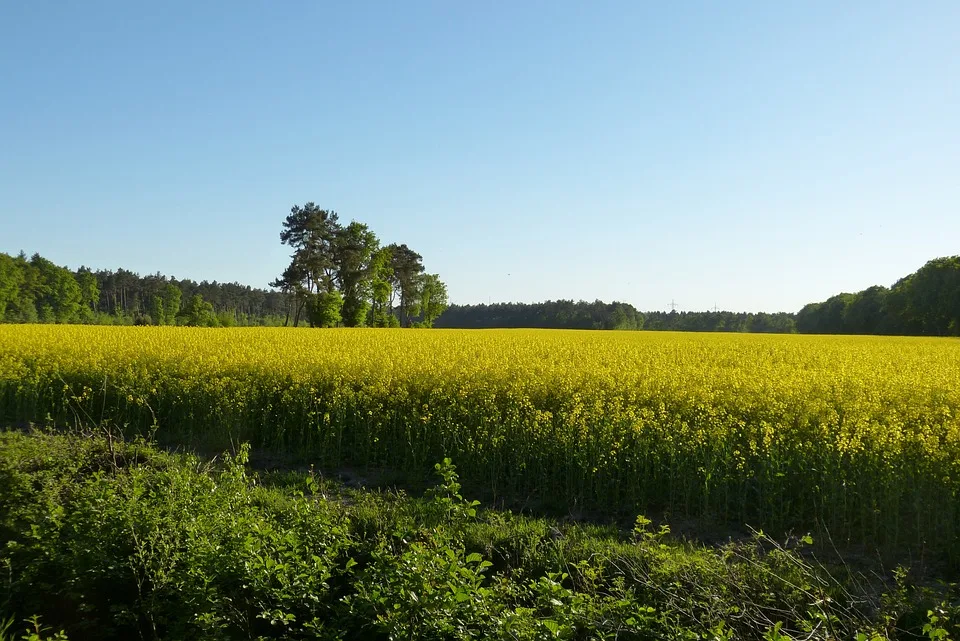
[
  {"x": 34, "y": 289},
  {"x": 925, "y": 303},
  {"x": 567, "y": 314},
  {"x": 339, "y": 275}
]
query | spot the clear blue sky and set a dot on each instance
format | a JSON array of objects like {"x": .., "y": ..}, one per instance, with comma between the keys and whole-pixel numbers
[{"x": 754, "y": 155}]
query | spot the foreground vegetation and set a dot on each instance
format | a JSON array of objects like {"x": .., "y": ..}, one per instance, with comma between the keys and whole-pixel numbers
[
  {"x": 108, "y": 540},
  {"x": 855, "y": 438}
]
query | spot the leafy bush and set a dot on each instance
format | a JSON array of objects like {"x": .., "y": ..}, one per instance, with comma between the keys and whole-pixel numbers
[{"x": 113, "y": 540}]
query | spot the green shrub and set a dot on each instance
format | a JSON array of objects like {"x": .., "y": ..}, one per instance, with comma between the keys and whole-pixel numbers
[{"x": 112, "y": 540}]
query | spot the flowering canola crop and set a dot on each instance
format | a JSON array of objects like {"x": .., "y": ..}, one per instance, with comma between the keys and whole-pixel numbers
[{"x": 859, "y": 435}]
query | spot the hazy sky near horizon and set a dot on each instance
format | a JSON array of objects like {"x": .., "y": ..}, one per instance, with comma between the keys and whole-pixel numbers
[{"x": 751, "y": 155}]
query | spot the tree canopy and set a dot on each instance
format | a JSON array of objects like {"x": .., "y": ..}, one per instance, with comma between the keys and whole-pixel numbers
[
  {"x": 925, "y": 303},
  {"x": 567, "y": 314},
  {"x": 339, "y": 275},
  {"x": 37, "y": 290}
]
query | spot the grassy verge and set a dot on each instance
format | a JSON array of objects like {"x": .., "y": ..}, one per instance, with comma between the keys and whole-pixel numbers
[{"x": 113, "y": 540}]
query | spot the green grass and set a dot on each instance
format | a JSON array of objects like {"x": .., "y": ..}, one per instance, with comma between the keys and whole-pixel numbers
[{"x": 113, "y": 540}]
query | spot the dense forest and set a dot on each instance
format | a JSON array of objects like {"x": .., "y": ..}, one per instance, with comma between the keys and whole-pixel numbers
[
  {"x": 567, "y": 314},
  {"x": 925, "y": 303},
  {"x": 348, "y": 279},
  {"x": 338, "y": 276},
  {"x": 35, "y": 290},
  {"x": 561, "y": 314}
]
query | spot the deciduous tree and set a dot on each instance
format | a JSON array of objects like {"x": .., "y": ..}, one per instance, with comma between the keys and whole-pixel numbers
[
  {"x": 433, "y": 298},
  {"x": 407, "y": 267}
]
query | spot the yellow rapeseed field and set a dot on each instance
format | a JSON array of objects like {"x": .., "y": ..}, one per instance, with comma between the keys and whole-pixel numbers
[{"x": 859, "y": 435}]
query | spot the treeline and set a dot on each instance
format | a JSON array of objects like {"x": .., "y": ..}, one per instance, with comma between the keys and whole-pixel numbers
[
  {"x": 559, "y": 314},
  {"x": 340, "y": 275},
  {"x": 36, "y": 290},
  {"x": 567, "y": 314},
  {"x": 721, "y": 321},
  {"x": 925, "y": 303}
]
